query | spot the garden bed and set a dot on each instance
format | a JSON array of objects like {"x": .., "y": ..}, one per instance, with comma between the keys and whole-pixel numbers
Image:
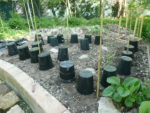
[{"x": 66, "y": 93}]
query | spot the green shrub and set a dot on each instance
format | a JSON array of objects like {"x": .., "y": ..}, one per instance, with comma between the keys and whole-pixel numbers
[
  {"x": 129, "y": 93},
  {"x": 146, "y": 28},
  {"x": 145, "y": 107},
  {"x": 17, "y": 22},
  {"x": 73, "y": 21}
]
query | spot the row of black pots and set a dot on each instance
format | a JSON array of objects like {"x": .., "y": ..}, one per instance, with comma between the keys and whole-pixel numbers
[
  {"x": 56, "y": 40},
  {"x": 67, "y": 71},
  {"x": 84, "y": 81},
  {"x": 124, "y": 65}
]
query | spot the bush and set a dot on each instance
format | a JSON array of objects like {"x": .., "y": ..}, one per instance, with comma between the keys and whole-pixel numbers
[
  {"x": 17, "y": 22},
  {"x": 146, "y": 28},
  {"x": 73, "y": 21},
  {"x": 129, "y": 93}
]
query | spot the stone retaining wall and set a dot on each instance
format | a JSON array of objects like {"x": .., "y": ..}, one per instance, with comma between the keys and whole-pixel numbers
[{"x": 40, "y": 100}]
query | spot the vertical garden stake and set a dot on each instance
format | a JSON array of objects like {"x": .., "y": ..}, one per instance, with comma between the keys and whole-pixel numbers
[
  {"x": 35, "y": 26},
  {"x": 100, "y": 52}
]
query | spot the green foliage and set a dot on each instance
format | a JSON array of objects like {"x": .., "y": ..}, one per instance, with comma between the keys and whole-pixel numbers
[
  {"x": 17, "y": 22},
  {"x": 130, "y": 92},
  {"x": 77, "y": 21},
  {"x": 145, "y": 107},
  {"x": 47, "y": 22},
  {"x": 146, "y": 28}
]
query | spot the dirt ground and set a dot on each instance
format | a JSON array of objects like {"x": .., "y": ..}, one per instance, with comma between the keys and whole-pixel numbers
[{"x": 66, "y": 93}]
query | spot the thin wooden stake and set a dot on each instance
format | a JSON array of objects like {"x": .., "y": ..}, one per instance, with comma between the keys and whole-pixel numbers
[
  {"x": 135, "y": 27},
  {"x": 2, "y": 23},
  {"x": 100, "y": 53},
  {"x": 141, "y": 27},
  {"x": 27, "y": 15},
  {"x": 35, "y": 26},
  {"x": 120, "y": 21}
]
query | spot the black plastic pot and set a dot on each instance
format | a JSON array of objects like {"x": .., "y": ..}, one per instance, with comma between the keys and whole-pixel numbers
[
  {"x": 37, "y": 44},
  {"x": 124, "y": 66},
  {"x": 23, "y": 52},
  {"x": 54, "y": 41},
  {"x": 60, "y": 38},
  {"x": 128, "y": 53},
  {"x": 49, "y": 39},
  {"x": 34, "y": 54},
  {"x": 134, "y": 42},
  {"x": 89, "y": 37},
  {"x": 97, "y": 40},
  {"x": 63, "y": 53},
  {"x": 108, "y": 72},
  {"x": 130, "y": 48},
  {"x": 74, "y": 38},
  {"x": 12, "y": 48},
  {"x": 21, "y": 41},
  {"x": 85, "y": 84},
  {"x": 39, "y": 38},
  {"x": 67, "y": 72},
  {"x": 45, "y": 61},
  {"x": 84, "y": 44}
]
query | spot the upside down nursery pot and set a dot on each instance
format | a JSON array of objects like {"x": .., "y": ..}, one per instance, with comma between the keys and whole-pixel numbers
[
  {"x": 124, "y": 66},
  {"x": 39, "y": 38},
  {"x": 108, "y": 72},
  {"x": 49, "y": 39},
  {"x": 74, "y": 38},
  {"x": 12, "y": 49},
  {"x": 37, "y": 44},
  {"x": 54, "y": 41},
  {"x": 23, "y": 52},
  {"x": 85, "y": 84},
  {"x": 97, "y": 40},
  {"x": 84, "y": 44},
  {"x": 34, "y": 54},
  {"x": 63, "y": 53},
  {"x": 60, "y": 38},
  {"x": 128, "y": 53},
  {"x": 67, "y": 71},
  {"x": 45, "y": 61},
  {"x": 134, "y": 42},
  {"x": 130, "y": 48},
  {"x": 89, "y": 37}
]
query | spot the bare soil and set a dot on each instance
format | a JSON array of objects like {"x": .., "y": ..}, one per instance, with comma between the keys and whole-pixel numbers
[{"x": 66, "y": 93}]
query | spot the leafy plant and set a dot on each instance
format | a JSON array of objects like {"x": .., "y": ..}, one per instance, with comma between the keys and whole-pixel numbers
[
  {"x": 17, "y": 22},
  {"x": 144, "y": 107},
  {"x": 129, "y": 93}
]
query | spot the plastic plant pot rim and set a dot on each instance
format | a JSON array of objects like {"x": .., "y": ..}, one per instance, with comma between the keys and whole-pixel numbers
[
  {"x": 110, "y": 68},
  {"x": 36, "y": 43},
  {"x": 85, "y": 74},
  {"x": 44, "y": 54},
  {"x": 127, "y": 52},
  {"x": 130, "y": 46},
  {"x": 11, "y": 43},
  {"x": 134, "y": 40},
  {"x": 66, "y": 64},
  {"x": 34, "y": 49},
  {"x": 22, "y": 47},
  {"x": 126, "y": 58}
]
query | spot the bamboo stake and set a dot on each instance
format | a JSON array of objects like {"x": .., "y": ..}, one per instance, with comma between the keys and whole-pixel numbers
[
  {"x": 35, "y": 26},
  {"x": 141, "y": 27},
  {"x": 120, "y": 20},
  {"x": 30, "y": 15},
  {"x": 100, "y": 53},
  {"x": 27, "y": 15},
  {"x": 2, "y": 24},
  {"x": 135, "y": 27}
]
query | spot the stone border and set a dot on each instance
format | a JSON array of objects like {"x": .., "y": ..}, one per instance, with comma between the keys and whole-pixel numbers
[{"x": 40, "y": 100}]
